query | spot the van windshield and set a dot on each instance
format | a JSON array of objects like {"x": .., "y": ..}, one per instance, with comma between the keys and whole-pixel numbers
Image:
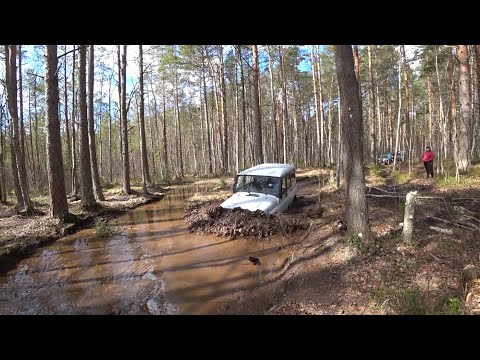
[{"x": 259, "y": 184}]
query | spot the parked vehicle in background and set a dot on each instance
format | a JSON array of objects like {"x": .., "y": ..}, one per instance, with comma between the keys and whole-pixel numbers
[
  {"x": 400, "y": 155},
  {"x": 267, "y": 187},
  {"x": 387, "y": 158}
]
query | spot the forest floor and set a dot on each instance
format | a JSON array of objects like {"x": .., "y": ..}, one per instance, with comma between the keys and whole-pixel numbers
[
  {"x": 20, "y": 235},
  {"x": 330, "y": 273}
]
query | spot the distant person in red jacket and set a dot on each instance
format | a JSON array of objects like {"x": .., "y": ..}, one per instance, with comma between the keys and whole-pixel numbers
[{"x": 427, "y": 159}]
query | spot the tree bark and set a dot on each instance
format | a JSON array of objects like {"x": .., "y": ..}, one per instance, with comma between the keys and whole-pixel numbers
[
  {"x": 56, "y": 183},
  {"x": 97, "y": 186},
  {"x": 351, "y": 113},
  {"x": 356, "y": 64},
  {"x": 465, "y": 123},
  {"x": 87, "y": 199}
]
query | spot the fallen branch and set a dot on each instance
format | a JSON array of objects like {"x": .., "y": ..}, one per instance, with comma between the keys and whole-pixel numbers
[
  {"x": 386, "y": 196},
  {"x": 471, "y": 218},
  {"x": 441, "y": 230},
  {"x": 431, "y": 197},
  {"x": 382, "y": 190},
  {"x": 452, "y": 223},
  {"x": 469, "y": 198},
  {"x": 461, "y": 209}
]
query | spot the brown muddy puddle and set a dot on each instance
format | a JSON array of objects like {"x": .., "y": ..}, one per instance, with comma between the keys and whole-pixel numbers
[{"x": 152, "y": 265}]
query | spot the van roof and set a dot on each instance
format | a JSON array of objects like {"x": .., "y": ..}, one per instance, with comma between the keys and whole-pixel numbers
[{"x": 269, "y": 169}]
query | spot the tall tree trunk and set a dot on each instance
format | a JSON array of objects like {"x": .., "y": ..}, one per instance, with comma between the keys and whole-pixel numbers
[
  {"x": 110, "y": 159},
  {"x": 179, "y": 129},
  {"x": 11, "y": 84},
  {"x": 477, "y": 62},
  {"x": 256, "y": 105},
  {"x": 430, "y": 111},
  {"x": 20, "y": 94},
  {"x": 16, "y": 181},
  {"x": 464, "y": 130},
  {"x": 351, "y": 113},
  {"x": 224, "y": 110},
  {"x": 74, "y": 141},
  {"x": 87, "y": 199},
  {"x": 207, "y": 125},
  {"x": 65, "y": 104},
  {"x": 371, "y": 108},
  {"x": 32, "y": 156},
  {"x": 320, "y": 101},
  {"x": 97, "y": 186},
  {"x": 124, "y": 121},
  {"x": 330, "y": 123},
  {"x": 452, "y": 106},
  {"x": 145, "y": 171},
  {"x": 407, "y": 109},
  {"x": 244, "y": 111},
  {"x": 3, "y": 190},
  {"x": 317, "y": 119},
  {"x": 274, "y": 107},
  {"x": 397, "y": 134},
  {"x": 165, "y": 149},
  {"x": 3, "y": 198},
  {"x": 285, "y": 106},
  {"x": 56, "y": 183}
]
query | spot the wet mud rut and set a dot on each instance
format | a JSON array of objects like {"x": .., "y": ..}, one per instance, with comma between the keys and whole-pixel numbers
[{"x": 152, "y": 265}]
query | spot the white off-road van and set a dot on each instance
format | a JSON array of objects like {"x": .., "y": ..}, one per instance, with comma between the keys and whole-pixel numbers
[{"x": 267, "y": 187}]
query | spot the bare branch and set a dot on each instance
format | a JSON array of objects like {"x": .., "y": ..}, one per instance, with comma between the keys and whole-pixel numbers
[
  {"x": 68, "y": 52},
  {"x": 131, "y": 96}
]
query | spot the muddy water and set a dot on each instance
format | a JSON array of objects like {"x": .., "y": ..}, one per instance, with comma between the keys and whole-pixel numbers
[{"x": 152, "y": 265}]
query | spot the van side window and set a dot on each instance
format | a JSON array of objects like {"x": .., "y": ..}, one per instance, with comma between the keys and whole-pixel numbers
[
  {"x": 293, "y": 179},
  {"x": 284, "y": 185}
]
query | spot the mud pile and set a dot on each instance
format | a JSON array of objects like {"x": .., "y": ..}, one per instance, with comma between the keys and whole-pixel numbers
[{"x": 213, "y": 219}]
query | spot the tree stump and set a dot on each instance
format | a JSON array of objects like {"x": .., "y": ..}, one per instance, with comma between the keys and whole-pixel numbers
[{"x": 408, "y": 217}]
